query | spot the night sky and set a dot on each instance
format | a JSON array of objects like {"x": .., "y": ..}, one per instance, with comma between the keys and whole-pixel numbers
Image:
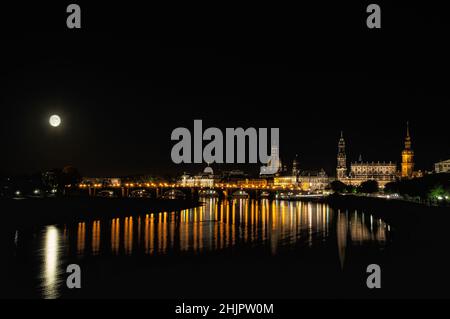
[{"x": 131, "y": 75}]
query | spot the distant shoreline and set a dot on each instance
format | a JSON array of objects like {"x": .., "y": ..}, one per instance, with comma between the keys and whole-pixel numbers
[{"x": 394, "y": 211}]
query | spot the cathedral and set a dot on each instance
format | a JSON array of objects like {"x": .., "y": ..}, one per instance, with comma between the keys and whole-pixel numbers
[{"x": 382, "y": 172}]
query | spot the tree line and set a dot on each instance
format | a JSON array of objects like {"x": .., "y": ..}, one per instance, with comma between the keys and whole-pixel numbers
[{"x": 433, "y": 187}]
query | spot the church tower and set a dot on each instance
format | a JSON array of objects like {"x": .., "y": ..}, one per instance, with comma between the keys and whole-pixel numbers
[
  {"x": 295, "y": 166},
  {"x": 341, "y": 169},
  {"x": 407, "y": 156}
]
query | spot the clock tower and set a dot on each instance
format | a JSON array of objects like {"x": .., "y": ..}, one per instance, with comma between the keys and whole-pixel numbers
[
  {"x": 341, "y": 169},
  {"x": 407, "y": 156}
]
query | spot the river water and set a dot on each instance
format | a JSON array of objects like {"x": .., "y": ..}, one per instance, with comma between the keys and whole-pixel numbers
[{"x": 221, "y": 236}]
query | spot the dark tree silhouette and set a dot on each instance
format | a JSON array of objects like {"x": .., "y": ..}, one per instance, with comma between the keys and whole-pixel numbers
[
  {"x": 368, "y": 187},
  {"x": 338, "y": 186},
  {"x": 427, "y": 187},
  {"x": 70, "y": 176}
]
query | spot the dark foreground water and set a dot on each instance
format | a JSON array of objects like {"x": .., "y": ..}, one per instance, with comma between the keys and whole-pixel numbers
[{"x": 237, "y": 248}]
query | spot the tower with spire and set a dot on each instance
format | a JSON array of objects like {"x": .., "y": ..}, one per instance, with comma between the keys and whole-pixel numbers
[
  {"x": 295, "y": 166},
  {"x": 341, "y": 169},
  {"x": 407, "y": 156}
]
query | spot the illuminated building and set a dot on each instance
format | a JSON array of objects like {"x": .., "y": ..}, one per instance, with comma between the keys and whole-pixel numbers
[
  {"x": 252, "y": 182},
  {"x": 105, "y": 181},
  {"x": 306, "y": 180},
  {"x": 313, "y": 180},
  {"x": 341, "y": 159},
  {"x": 382, "y": 172},
  {"x": 286, "y": 181},
  {"x": 205, "y": 179},
  {"x": 407, "y": 157},
  {"x": 442, "y": 167}
]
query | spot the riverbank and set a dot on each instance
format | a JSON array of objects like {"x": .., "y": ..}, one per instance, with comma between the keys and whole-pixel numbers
[
  {"x": 391, "y": 210},
  {"x": 35, "y": 212}
]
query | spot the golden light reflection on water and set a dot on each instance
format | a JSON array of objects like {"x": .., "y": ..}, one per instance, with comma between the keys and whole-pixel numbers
[
  {"x": 128, "y": 235},
  {"x": 359, "y": 229},
  {"x": 220, "y": 225},
  {"x": 95, "y": 238},
  {"x": 217, "y": 225},
  {"x": 81, "y": 238},
  {"x": 115, "y": 236}
]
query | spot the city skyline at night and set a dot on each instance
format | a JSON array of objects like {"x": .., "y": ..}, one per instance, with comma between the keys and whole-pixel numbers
[
  {"x": 216, "y": 162},
  {"x": 253, "y": 169},
  {"x": 121, "y": 99}
]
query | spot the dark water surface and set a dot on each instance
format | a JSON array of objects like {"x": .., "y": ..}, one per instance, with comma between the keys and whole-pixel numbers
[{"x": 223, "y": 249}]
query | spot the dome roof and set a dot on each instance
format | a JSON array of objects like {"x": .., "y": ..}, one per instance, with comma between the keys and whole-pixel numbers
[{"x": 208, "y": 170}]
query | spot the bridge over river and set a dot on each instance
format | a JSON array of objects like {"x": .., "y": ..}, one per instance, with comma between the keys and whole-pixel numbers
[{"x": 220, "y": 190}]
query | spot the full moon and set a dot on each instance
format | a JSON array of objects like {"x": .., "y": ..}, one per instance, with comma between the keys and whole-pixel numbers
[{"x": 54, "y": 120}]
